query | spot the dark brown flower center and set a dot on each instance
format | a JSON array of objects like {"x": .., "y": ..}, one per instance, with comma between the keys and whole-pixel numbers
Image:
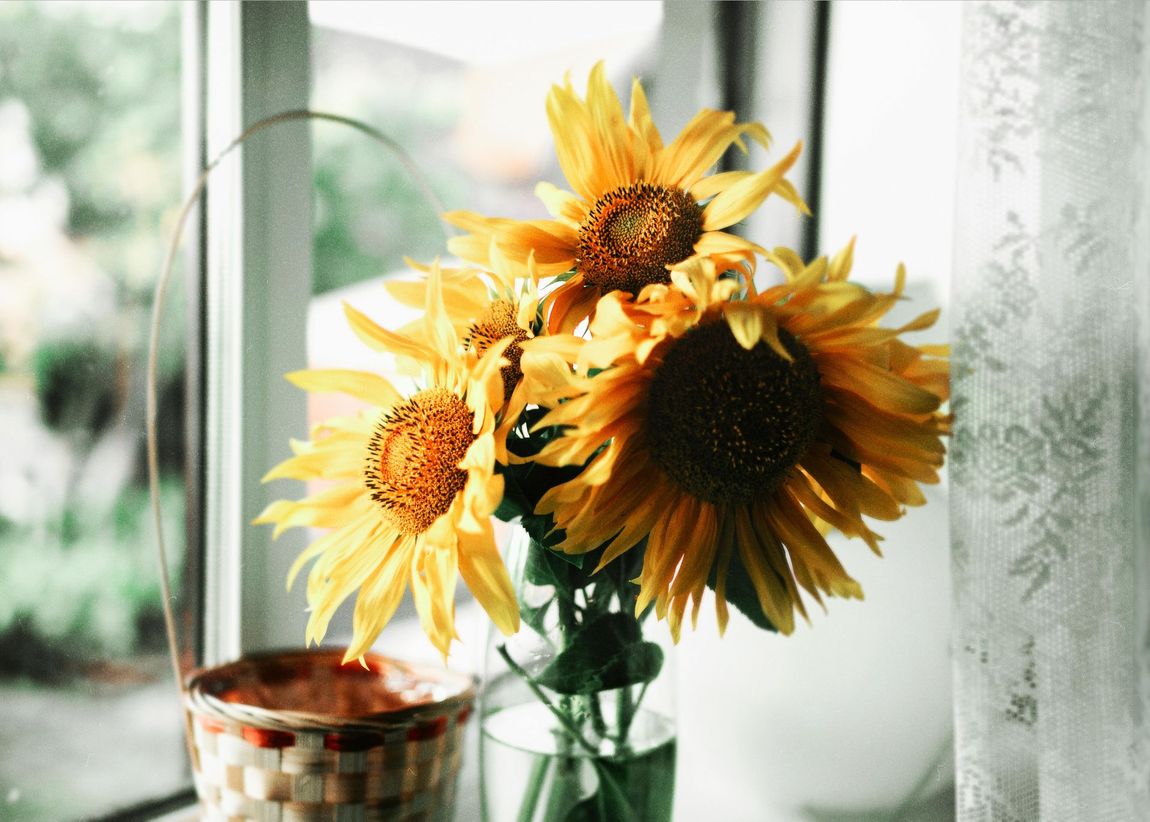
[
  {"x": 413, "y": 457},
  {"x": 498, "y": 321},
  {"x": 633, "y": 233},
  {"x": 727, "y": 424}
]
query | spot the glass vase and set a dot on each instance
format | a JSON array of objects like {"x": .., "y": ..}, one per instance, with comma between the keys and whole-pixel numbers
[{"x": 577, "y": 709}]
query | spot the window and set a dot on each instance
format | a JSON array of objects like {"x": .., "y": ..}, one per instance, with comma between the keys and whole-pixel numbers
[
  {"x": 91, "y": 114},
  {"x": 470, "y": 111},
  {"x": 871, "y": 676},
  {"x": 90, "y": 175}
]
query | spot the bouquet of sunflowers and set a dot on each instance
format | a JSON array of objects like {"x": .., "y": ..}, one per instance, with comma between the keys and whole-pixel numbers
[{"x": 614, "y": 380}]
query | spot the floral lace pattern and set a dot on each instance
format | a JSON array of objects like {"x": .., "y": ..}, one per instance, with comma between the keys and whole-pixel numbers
[{"x": 1050, "y": 512}]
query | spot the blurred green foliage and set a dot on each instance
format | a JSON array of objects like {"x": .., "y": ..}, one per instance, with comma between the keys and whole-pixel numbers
[
  {"x": 101, "y": 91},
  {"x": 62, "y": 606},
  {"x": 368, "y": 212},
  {"x": 100, "y": 86},
  {"x": 105, "y": 110},
  {"x": 78, "y": 386}
]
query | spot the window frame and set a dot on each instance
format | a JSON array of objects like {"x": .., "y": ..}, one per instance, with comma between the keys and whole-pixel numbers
[
  {"x": 247, "y": 270},
  {"x": 256, "y": 266},
  {"x": 257, "y": 278},
  {"x": 248, "y": 281}
]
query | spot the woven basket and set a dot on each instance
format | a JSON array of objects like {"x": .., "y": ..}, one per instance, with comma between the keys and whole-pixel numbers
[{"x": 376, "y": 743}]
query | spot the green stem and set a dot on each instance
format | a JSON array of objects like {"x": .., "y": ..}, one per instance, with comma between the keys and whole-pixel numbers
[
  {"x": 565, "y": 790},
  {"x": 597, "y": 720},
  {"x": 628, "y": 709},
  {"x": 534, "y": 788},
  {"x": 563, "y": 718}
]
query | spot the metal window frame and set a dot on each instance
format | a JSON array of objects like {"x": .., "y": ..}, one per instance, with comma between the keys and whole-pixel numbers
[
  {"x": 767, "y": 62},
  {"x": 257, "y": 284},
  {"x": 194, "y": 55},
  {"x": 770, "y": 62}
]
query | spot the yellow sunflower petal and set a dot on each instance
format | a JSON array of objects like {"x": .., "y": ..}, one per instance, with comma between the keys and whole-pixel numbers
[
  {"x": 722, "y": 244},
  {"x": 441, "y": 333},
  {"x": 786, "y": 189},
  {"x": 808, "y": 548},
  {"x": 724, "y": 551},
  {"x": 640, "y": 119},
  {"x": 379, "y": 338},
  {"x": 340, "y": 571},
  {"x": 569, "y": 305},
  {"x": 708, "y": 187},
  {"x": 327, "y": 509},
  {"x": 561, "y": 204},
  {"x": 363, "y": 385},
  {"x": 737, "y": 201},
  {"x": 472, "y": 247},
  {"x": 843, "y": 261},
  {"x": 619, "y": 162},
  {"x": 763, "y": 560},
  {"x": 468, "y": 296},
  {"x": 329, "y": 458},
  {"x": 848, "y": 521},
  {"x": 486, "y": 577},
  {"x": 576, "y": 142},
  {"x": 379, "y": 597},
  {"x": 699, "y": 553},
  {"x": 355, "y": 528},
  {"x": 484, "y": 490},
  {"x": 432, "y": 578},
  {"x": 881, "y": 387},
  {"x": 696, "y": 148}
]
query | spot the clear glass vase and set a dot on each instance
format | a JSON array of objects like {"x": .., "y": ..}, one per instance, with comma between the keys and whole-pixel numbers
[{"x": 577, "y": 709}]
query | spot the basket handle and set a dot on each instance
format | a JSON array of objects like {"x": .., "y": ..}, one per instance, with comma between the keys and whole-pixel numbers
[{"x": 160, "y": 293}]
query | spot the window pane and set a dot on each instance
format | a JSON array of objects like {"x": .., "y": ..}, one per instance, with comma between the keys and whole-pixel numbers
[
  {"x": 462, "y": 87},
  {"x": 89, "y": 177}
]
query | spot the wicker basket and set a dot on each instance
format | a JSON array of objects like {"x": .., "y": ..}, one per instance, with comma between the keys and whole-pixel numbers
[{"x": 376, "y": 743}]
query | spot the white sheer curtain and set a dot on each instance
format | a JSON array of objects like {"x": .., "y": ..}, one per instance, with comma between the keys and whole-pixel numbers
[{"x": 1051, "y": 346}]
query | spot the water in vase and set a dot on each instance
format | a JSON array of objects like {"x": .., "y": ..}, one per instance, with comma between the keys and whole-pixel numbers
[{"x": 533, "y": 772}]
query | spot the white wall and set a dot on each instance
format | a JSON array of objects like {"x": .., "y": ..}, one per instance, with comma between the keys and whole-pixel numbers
[{"x": 853, "y": 715}]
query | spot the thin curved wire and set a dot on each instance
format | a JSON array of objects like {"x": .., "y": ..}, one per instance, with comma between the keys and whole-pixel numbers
[{"x": 154, "y": 337}]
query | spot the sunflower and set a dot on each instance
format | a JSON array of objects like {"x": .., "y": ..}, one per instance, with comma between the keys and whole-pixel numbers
[
  {"x": 412, "y": 487},
  {"x": 719, "y": 428},
  {"x": 484, "y": 307},
  {"x": 638, "y": 207}
]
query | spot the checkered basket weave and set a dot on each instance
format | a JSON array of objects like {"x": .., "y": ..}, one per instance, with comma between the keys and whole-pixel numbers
[{"x": 297, "y": 735}]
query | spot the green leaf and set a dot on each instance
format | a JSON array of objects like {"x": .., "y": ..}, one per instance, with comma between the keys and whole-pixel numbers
[
  {"x": 586, "y": 811},
  {"x": 538, "y": 570},
  {"x": 614, "y": 802},
  {"x": 606, "y": 653},
  {"x": 596, "y": 808},
  {"x": 610, "y": 802},
  {"x": 541, "y": 529},
  {"x": 741, "y": 593},
  {"x": 530, "y": 444},
  {"x": 535, "y": 617},
  {"x": 547, "y": 567},
  {"x": 515, "y": 502}
]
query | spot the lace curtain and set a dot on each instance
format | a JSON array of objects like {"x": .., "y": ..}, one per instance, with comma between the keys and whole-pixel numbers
[{"x": 1050, "y": 458}]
